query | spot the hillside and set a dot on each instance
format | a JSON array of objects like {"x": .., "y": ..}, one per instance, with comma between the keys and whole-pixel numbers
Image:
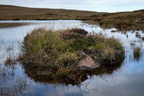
[
  {"x": 121, "y": 20},
  {"x": 8, "y": 12}
]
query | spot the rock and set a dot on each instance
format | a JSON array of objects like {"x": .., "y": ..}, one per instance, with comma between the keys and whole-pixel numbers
[
  {"x": 74, "y": 33},
  {"x": 87, "y": 63},
  {"x": 79, "y": 31},
  {"x": 137, "y": 34},
  {"x": 113, "y": 30},
  {"x": 132, "y": 43}
]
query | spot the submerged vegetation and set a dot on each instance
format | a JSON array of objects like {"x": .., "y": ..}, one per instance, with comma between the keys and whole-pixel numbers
[{"x": 57, "y": 54}]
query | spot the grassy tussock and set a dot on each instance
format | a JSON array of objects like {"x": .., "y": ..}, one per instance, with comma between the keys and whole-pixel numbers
[
  {"x": 137, "y": 52},
  {"x": 107, "y": 50},
  {"x": 63, "y": 72},
  {"x": 10, "y": 61},
  {"x": 60, "y": 51}
]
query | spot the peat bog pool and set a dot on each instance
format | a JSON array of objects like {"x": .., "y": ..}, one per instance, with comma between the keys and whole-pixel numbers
[{"x": 126, "y": 79}]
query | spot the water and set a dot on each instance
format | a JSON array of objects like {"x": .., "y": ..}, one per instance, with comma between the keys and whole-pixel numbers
[{"x": 124, "y": 80}]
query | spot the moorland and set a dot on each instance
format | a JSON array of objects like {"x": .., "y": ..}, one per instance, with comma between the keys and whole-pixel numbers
[{"x": 133, "y": 20}]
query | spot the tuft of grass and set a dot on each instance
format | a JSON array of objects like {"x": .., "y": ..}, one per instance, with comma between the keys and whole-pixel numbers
[
  {"x": 63, "y": 72},
  {"x": 67, "y": 58},
  {"x": 108, "y": 53},
  {"x": 108, "y": 50},
  {"x": 10, "y": 61},
  {"x": 99, "y": 46},
  {"x": 137, "y": 52}
]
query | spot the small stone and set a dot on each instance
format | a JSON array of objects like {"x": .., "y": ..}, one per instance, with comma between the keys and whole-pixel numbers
[
  {"x": 113, "y": 30},
  {"x": 132, "y": 43},
  {"x": 79, "y": 31},
  {"x": 87, "y": 63}
]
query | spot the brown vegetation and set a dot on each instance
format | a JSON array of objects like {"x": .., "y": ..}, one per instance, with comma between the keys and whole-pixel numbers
[
  {"x": 121, "y": 20},
  {"x": 137, "y": 53},
  {"x": 22, "y": 13},
  {"x": 4, "y": 25}
]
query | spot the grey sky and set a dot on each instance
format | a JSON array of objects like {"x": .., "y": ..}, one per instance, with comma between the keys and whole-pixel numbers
[{"x": 92, "y": 5}]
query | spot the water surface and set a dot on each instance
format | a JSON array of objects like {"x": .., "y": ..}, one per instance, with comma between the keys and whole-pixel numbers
[{"x": 125, "y": 80}]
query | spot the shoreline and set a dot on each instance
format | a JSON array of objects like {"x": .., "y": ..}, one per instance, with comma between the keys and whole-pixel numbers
[{"x": 121, "y": 20}]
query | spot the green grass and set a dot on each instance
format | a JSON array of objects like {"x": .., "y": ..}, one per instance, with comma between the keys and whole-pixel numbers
[
  {"x": 60, "y": 51},
  {"x": 107, "y": 50}
]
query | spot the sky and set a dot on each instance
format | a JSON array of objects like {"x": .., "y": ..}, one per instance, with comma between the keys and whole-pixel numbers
[{"x": 90, "y": 5}]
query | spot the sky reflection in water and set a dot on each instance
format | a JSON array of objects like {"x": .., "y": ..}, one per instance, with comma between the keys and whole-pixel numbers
[{"x": 125, "y": 81}]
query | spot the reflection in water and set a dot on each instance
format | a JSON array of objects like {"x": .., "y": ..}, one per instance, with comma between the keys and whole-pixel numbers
[
  {"x": 41, "y": 75},
  {"x": 125, "y": 79}
]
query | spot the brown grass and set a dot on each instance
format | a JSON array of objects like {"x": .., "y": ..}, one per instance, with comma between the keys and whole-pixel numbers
[
  {"x": 22, "y": 13},
  {"x": 10, "y": 61},
  {"x": 123, "y": 20},
  {"x": 137, "y": 53},
  {"x": 4, "y": 25},
  {"x": 120, "y": 20}
]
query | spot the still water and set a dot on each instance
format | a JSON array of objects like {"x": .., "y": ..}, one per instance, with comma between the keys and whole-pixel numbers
[{"x": 125, "y": 80}]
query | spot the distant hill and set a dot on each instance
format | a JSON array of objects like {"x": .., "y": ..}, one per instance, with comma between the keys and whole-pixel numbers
[
  {"x": 121, "y": 20},
  {"x": 8, "y": 12}
]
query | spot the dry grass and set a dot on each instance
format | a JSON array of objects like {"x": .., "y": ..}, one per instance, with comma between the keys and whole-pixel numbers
[
  {"x": 121, "y": 20},
  {"x": 63, "y": 71},
  {"x": 17, "y": 13},
  {"x": 4, "y": 25},
  {"x": 10, "y": 61}
]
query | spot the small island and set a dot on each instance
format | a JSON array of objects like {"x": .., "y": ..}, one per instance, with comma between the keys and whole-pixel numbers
[{"x": 67, "y": 53}]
